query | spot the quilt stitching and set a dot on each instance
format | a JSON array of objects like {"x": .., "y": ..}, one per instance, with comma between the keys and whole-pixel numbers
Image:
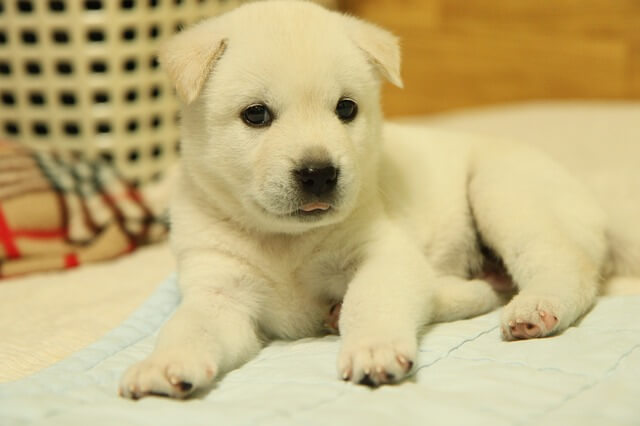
[
  {"x": 522, "y": 364},
  {"x": 611, "y": 370},
  {"x": 454, "y": 348},
  {"x": 312, "y": 407},
  {"x": 516, "y": 364}
]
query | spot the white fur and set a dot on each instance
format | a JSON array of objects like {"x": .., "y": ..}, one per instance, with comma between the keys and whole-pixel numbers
[{"x": 399, "y": 245}]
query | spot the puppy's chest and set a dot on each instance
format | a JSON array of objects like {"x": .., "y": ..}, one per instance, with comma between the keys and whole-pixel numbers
[
  {"x": 328, "y": 273},
  {"x": 320, "y": 265},
  {"x": 305, "y": 284}
]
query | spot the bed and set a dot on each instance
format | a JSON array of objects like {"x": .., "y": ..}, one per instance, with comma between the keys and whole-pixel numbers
[{"x": 68, "y": 336}]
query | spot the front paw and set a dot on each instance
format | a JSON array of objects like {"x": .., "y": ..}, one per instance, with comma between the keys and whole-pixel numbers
[
  {"x": 175, "y": 375},
  {"x": 376, "y": 361}
]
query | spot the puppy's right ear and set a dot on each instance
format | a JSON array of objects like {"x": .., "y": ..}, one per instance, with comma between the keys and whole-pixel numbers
[{"x": 189, "y": 56}]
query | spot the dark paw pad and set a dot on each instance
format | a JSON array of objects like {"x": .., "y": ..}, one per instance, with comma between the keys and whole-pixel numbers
[
  {"x": 366, "y": 380},
  {"x": 185, "y": 386}
]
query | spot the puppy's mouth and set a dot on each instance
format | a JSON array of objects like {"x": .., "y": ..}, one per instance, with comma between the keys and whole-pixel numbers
[
  {"x": 310, "y": 211},
  {"x": 313, "y": 209}
]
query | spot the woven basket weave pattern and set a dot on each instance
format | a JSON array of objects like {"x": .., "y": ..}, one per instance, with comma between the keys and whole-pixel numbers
[{"x": 82, "y": 76}]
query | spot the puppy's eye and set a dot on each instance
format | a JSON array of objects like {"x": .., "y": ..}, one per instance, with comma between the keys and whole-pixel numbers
[
  {"x": 257, "y": 115},
  {"x": 346, "y": 110}
]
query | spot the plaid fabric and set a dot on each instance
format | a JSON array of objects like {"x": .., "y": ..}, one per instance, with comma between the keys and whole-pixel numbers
[{"x": 58, "y": 213}]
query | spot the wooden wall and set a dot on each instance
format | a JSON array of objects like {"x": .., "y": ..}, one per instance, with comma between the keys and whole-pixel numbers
[{"x": 462, "y": 53}]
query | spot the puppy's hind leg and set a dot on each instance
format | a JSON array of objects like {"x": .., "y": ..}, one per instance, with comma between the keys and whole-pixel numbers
[
  {"x": 456, "y": 298},
  {"x": 548, "y": 232}
]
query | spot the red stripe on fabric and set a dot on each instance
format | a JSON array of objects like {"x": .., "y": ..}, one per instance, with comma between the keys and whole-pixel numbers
[
  {"x": 71, "y": 260},
  {"x": 52, "y": 233},
  {"x": 6, "y": 238},
  {"x": 134, "y": 195}
]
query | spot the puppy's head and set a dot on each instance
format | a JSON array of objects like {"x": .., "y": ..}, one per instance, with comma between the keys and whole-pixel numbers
[{"x": 281, "y": 120}]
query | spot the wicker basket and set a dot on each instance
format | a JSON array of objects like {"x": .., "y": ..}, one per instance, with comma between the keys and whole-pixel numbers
[{"x": 82, "y": 76}]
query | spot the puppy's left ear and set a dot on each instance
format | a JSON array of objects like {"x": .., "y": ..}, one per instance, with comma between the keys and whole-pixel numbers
[
  {"x": 382, "y": 47},
  {"x": 189, "y": 56}
]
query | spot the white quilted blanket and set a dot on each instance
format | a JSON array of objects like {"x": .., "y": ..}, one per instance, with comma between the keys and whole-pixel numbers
[{"x": 465, "y": 375}]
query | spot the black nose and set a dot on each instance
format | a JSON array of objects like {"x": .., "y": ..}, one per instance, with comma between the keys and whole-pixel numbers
[{"x": 317, "y": 180}]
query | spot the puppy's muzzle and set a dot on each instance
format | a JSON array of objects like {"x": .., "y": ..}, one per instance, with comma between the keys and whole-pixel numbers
[{"x": 318, "y": 180}]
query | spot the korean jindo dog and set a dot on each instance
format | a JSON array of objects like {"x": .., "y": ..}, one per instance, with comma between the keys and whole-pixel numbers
[{"x": 295, "y": 196}]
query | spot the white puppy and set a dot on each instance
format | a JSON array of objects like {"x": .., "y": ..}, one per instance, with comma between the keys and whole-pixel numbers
[{"x": 294, "y": 196}]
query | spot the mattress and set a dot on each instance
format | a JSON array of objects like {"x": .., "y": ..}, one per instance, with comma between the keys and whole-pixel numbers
[
  {"x": 46, "y": 317},
  {"x": 464, "y": 374}
]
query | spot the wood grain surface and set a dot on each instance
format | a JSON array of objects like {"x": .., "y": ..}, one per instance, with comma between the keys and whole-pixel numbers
[{"x": 463, "y": 53}]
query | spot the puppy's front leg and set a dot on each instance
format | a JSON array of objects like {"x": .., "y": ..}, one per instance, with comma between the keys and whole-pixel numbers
[
  {"x": 387, "y": 301},
  {"x": 211, "y": 332}
]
